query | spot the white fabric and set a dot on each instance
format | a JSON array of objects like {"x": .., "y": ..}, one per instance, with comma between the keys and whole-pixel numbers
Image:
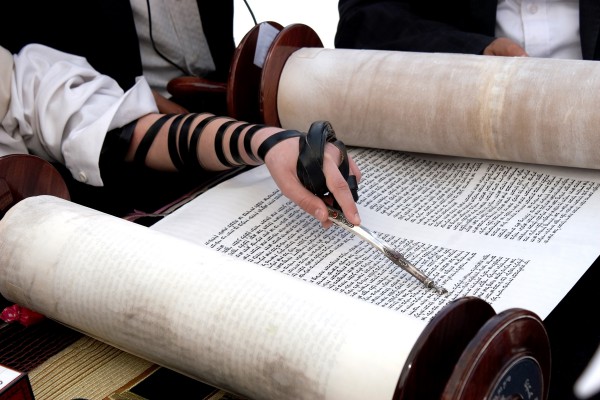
[
  {"x": 544, "y": 28},
  {"x": 6, "y": 66},
  {"x": 61, "y": 109},
  {"x": 178, "y": 34}
]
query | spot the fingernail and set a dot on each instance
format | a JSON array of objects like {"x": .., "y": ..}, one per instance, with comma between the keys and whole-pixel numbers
[
  {"x": 319, "y": 214},
  {"x": 357, "y": 218}
]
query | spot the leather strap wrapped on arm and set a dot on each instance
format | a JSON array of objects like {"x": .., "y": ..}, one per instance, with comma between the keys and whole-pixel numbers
[{"x": 310, "y": 161}]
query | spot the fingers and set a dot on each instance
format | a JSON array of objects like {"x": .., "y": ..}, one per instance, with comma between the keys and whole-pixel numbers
[
  {"x": 338, "y": 187},
  {"x": 281, "y": 162},
  {"x": 354, "y": 169},
  {"x": 504, "y": 47},
  {"x": 292, "y": 188},
  {"x": 314, "y": 206}
]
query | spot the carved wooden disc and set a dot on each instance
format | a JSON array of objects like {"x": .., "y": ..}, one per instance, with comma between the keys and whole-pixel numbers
[
  {"x": 438, "y": 348},
  {"x": 508, "y": 358},
  {"x": 252, "y": 88},
  {"x": 24, "y": 175},
  {"x": 290, "y": 39},
  {"x": 243, "y": 86},
  {"x": 469, "y": 352}
]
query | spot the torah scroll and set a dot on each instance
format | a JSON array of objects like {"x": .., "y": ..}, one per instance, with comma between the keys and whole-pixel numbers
[
  {"x": 233, "y": 324},
  {"x": 531, "y": 110}
]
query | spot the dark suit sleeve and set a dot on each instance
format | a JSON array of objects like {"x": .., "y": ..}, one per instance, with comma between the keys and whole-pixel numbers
[
  {"x": 217, "y": 22},
  {"x": 427, "y": 26},
  {"x": 102, "y": 31},
  {"x": 589, "y": 27}
]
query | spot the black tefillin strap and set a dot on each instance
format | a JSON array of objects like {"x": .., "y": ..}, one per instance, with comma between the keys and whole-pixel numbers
[
  {"x": 272, "y": 141},
  {"x": 310, "y": 161}
]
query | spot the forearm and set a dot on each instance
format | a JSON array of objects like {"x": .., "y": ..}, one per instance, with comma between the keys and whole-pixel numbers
[
  {"x": 194, "y": 143},
  {"x": 216, "y": 143}
]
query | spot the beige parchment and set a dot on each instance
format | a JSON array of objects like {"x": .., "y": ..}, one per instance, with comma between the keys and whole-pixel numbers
[
  {"x": 530, "y": 110},
  {"x": 227, "y": 322}
]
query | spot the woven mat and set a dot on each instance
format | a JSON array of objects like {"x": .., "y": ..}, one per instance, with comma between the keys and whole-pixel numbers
[
  {"x": 87, "y": 369},
  {"x": 90, "y": 369}
]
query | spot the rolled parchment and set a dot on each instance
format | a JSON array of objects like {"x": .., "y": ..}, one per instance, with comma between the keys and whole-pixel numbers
[
  {"x": 522, "y": 109},
  {"x": 236, "y": 325}
]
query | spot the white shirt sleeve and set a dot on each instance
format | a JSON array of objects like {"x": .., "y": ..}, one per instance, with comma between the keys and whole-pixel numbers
[{"x": 61, "y": 109}]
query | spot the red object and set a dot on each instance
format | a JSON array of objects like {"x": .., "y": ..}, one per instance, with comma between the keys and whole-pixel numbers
[{"x": 24, "y": 316}]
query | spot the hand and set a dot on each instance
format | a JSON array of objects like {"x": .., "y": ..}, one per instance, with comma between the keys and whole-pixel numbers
[
  {"x": 166, "y": 106},
  {"x": 281, "y": 162},
  {"x": 504, "y": 47}
]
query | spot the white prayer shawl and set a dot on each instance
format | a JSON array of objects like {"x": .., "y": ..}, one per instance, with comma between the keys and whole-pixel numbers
[
  {"x": 6, "y": 66},
  {"x": 178, "y": 34},
  {"x": 61, "y": 109}
]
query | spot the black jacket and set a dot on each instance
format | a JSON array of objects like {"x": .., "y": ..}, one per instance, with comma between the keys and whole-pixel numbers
[
  {"x": 104, "y": 32},
  {"x": 460, "y": 26}
]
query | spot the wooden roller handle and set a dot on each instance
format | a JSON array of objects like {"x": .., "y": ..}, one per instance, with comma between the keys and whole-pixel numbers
[
  {"x": 189, "y": 86},
  {"x": 24, "y": 175},
  {"x": 6, "y": 197}
]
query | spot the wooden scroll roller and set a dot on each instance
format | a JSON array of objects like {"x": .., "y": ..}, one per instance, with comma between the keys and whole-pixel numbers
[
  {"x": 24, "y": 175},
  {"x": 523, "y": 109}
]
